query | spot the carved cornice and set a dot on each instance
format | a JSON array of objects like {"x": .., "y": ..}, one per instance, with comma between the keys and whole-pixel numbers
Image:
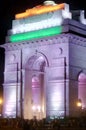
[
  {"x": 62, "y": 38},
  {"x": 77, "y": 40},
  {"x": 35, "y": 43}
]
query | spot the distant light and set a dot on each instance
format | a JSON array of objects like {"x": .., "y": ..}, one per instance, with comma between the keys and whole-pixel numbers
[
  {"x": 0, "y": 101},
  {"x": 79, "y": 103},
  {"x": 33, "y": 108}
]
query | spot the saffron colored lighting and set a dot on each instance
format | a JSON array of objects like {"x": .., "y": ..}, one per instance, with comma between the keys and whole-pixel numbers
[
  {"x": 39, "y": 10},
  {"x": 36, "y": 34}
]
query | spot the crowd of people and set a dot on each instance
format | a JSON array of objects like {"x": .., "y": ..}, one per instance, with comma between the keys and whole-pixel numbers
[{"x": 44, "y": 124}]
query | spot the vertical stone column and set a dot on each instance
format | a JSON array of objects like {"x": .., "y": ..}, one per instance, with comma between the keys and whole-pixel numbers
[
  {"x": 73, "y": 97},
  {"x": 28, "y": 95}
]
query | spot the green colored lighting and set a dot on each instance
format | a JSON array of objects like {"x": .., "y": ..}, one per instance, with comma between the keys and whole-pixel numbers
[{"x": 36, "y": 34}]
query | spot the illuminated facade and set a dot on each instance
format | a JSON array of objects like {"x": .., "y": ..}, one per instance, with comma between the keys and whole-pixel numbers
[{"x": 44, "y": 63}]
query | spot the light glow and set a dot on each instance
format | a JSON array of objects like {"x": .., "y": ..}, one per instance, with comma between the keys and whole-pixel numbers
[
  {"x": 33, "y": 108},
  {"x": 11, "y": 105},
  {"x": 79, "y": 103},
  {"x": 36, "y": 34},
  {"x": 36, "y": 108},
  {"x": 0, "y": 101}
]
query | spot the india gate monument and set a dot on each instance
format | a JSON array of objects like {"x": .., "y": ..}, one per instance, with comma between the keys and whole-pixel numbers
[{"x": 45, "y": 63}]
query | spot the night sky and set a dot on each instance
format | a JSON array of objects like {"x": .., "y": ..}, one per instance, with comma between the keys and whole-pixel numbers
[{"x": 8, "y": 9}]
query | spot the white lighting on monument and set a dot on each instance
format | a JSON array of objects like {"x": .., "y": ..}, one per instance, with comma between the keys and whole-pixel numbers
[
  {"x": 10, "y": 106},
  {"x": 44, "y": 55}
]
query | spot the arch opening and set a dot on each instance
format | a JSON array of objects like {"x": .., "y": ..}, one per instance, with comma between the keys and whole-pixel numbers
[
  {"x": 34, "y": 84},
  {"x": 82, "y": 89}
]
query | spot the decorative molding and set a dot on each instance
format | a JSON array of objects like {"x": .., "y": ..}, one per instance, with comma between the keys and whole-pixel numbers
[
  {"x": 59, "y": 39},
  {"x": 34, "y": 43},
  {"x": 74, "y": 39}
]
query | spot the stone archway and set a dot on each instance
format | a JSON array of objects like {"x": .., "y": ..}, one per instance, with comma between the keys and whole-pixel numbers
[
  {"x": 82, "y": 89},
  {"x": 34, "y": 96}
]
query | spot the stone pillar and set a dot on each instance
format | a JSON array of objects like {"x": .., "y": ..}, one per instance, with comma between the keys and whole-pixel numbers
[{"x": 28, "y": 95}]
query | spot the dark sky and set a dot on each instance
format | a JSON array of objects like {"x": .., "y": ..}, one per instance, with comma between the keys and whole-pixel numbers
[{"x": 8, "y": 9}]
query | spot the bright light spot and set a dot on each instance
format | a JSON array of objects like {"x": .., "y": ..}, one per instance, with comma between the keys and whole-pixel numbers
[
  {"x": 79, "y": 103},
  {"x": 38, "y": 108},
  {"x": 0, "y": 101},
  {"x": 33, "y": 108}
]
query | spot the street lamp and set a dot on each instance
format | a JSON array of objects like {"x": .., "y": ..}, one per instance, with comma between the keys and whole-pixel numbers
[
  {"x": 0, "y": 101},
  {"x": 79, "y": 105}
]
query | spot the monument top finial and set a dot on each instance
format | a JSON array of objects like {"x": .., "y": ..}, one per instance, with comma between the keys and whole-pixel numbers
[{"x": 49, "y": 2}]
